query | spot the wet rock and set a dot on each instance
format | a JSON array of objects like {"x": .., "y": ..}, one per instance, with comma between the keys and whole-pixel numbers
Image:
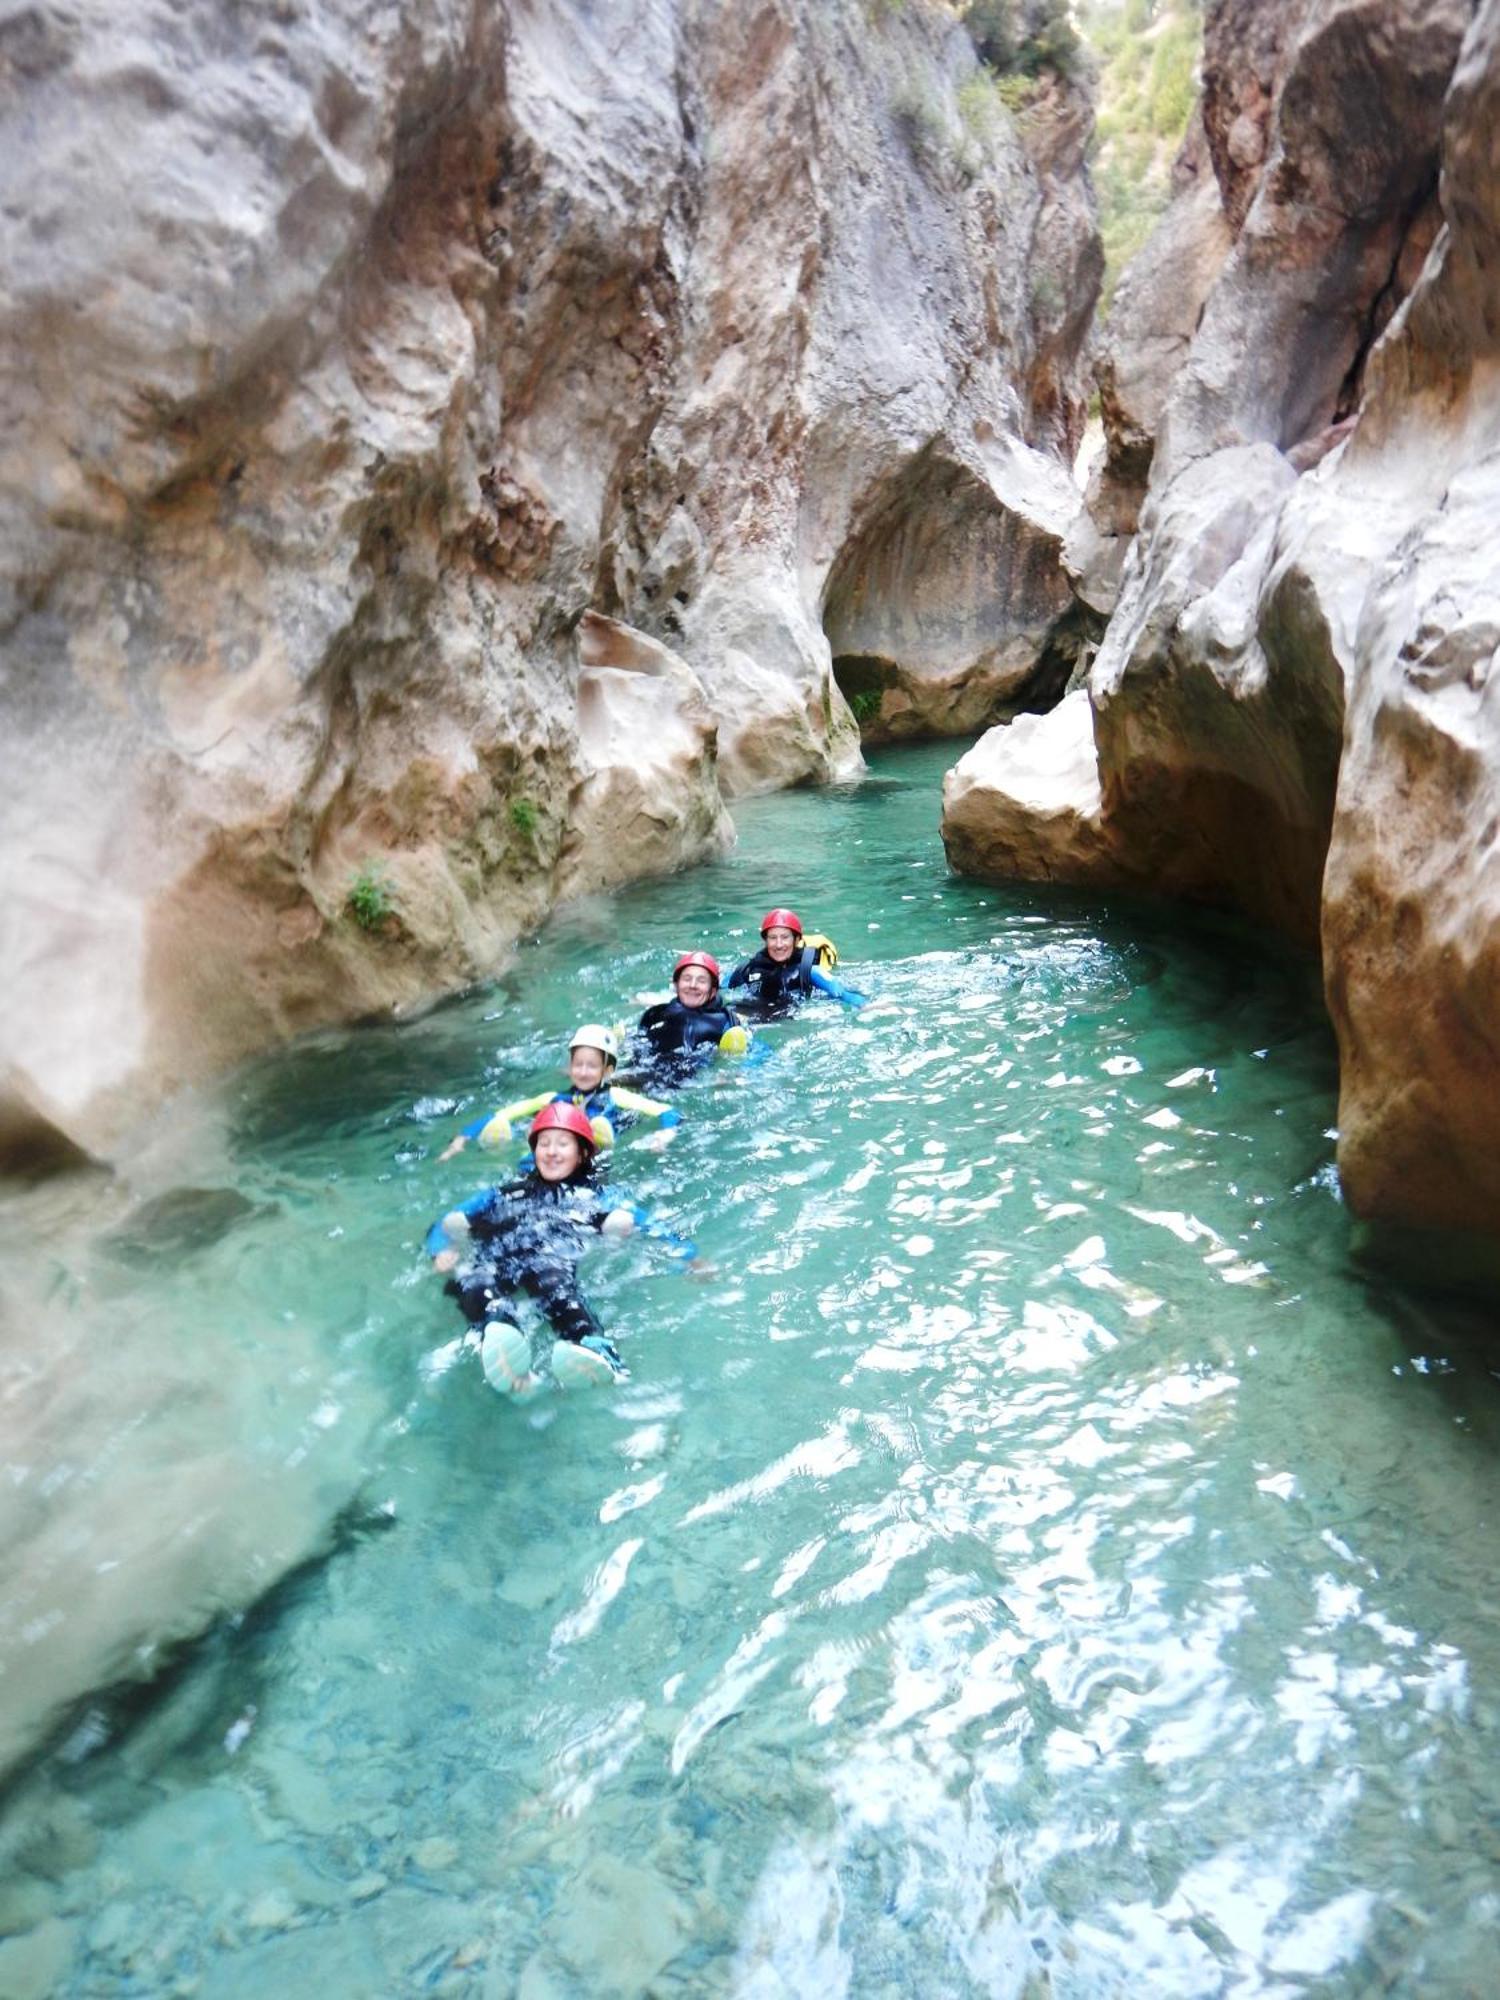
[
  {"x": 178, "y": 1222},
  {"x": 1025, "y": 801},
  {"x": 615, "y": 1927},
  {"x": 24, "y": 1903},
  {"x": 273, "y": 1910},
  {"x": 1294, "y": 704},
  {"x": 1153, "y": 318},
  {"x": 435, "y": 1854}
]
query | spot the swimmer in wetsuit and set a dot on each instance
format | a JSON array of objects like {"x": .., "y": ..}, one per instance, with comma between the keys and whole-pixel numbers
[
  {"x": 525, "y": 1239},
  {"x": 785, "y": 970},
  {"x": 675, "y": 1037},
  {"x": 609, "y": 1107}
]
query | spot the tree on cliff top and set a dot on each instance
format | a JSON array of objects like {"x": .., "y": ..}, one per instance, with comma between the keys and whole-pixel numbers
[{"x": 1023, "y": 37}]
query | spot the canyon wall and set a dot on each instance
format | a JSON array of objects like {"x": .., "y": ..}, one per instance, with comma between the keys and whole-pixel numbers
[
  {"x": 351, "y": 356},
  {"x": 1289, "y": 713}
]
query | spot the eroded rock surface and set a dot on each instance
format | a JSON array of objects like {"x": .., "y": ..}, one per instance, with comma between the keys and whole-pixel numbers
[
  {"x": 348, "y": 359},
  {"x": 1411, "y": 919},
  {"x": 941, "y": 609},
  {"x": 1299, "y": 670}
]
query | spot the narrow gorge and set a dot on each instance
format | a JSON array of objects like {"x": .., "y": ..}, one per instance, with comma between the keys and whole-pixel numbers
[
  {"x": 1289, "y": 711},
  {"x": 496, "y": 493}
]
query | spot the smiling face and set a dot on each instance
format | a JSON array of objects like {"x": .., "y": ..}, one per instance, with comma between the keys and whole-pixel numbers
[
  {"x": 586, "y": 1069},
  {"x": 558, "y": 1154},
  {"x": 779, "y": 943},
  {"x": 694, "y": 984}
]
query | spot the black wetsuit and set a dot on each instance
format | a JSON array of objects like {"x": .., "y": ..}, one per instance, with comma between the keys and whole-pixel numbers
[
  {"x": 673, "y": 1039},
  {"x": 776, "y": 988},
  {"x": 528, "y": 1237}
]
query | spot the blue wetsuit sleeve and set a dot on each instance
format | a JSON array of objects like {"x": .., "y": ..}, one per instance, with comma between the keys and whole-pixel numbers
[
  {"x": 476, "y": 1204},
  {"x": 849, "y": 995}
]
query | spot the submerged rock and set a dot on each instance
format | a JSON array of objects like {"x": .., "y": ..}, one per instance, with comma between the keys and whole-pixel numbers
[{"x": 178, "y": 1222}]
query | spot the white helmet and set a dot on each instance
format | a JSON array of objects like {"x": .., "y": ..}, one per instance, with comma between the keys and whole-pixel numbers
[{"x": 592, "y": 1036}]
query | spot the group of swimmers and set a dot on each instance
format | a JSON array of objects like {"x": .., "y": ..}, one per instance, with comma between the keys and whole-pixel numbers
[{"x": 523, "y": 1238}]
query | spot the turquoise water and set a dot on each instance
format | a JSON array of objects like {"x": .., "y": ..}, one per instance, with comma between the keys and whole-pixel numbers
[{"x": 1040, "y": 1560}]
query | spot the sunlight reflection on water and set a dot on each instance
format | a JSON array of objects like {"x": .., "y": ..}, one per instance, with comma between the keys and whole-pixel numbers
[{"x": 1021, "y": 1569}]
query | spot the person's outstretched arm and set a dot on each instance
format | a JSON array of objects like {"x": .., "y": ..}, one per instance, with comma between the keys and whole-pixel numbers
[
  {"x": 623, "y": 1217},
  {"x": 646, "y": 1107},
  {"x": 449, "y": 1237},
  {"x": 849, "y": 996},
  {"x": 494, "y": 1129}
]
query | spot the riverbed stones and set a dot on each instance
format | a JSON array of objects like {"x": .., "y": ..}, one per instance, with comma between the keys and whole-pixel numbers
[{"x": 32, "y": 1964}]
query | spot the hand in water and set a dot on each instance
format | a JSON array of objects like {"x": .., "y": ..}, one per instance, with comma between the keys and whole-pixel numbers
[
  {"x": 619, "y": 1222},
  {"x": 656, "y": 1142},
  {"x": 456, "y": 1229}
]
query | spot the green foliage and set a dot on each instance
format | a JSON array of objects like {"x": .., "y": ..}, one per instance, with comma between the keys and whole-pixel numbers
[
  {"x": 1046, "y": 294},
  {"x": 1024, "y": 37},
  {"x": 371, "y": 898},
  {"x": 980, "y": 105},
  {"x": 992, "y": 30},
  {"x": 920, "y": 116},
  {"x": 1147, "y": 54},
  {"x": 524, "y": 817},
  {"x": 865, "y": 705}
]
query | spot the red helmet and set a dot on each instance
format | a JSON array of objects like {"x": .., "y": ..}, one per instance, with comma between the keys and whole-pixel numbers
[
  {"x": 564, "y": 1118},
  {"x": 704, "y": 958},
  {"x": 781, "y": 920}
]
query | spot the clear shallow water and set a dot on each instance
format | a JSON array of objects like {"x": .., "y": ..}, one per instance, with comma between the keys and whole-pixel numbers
[{"x": 1039, "y": 1562}]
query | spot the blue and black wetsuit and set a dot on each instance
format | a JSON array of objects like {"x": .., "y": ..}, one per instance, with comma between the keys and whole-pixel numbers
[
  {"x": 776, "y": 990},
  {"x": 527, "y": 1237},
  {"x": 674, "y": 1040}
]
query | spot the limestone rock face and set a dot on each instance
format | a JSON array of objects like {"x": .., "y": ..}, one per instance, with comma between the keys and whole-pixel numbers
[
  {"x": 1025, "y": 802},
  {"x": 941, "y": 609},
  {"x": 347, "y": 358},
  {"x": 648, "y": 790},
  {"x": 1152, "y": 321},
  {"x": 1298, "y": 677},
  {"x": 1411, "y": 920},
  {"x": 1318, "y": 263}
]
